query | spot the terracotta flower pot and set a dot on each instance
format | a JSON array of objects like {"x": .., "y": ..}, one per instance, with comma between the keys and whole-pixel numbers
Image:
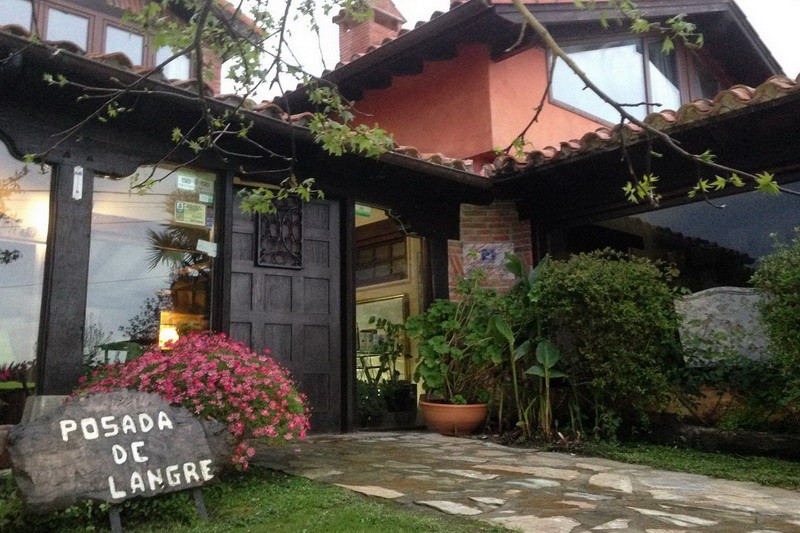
[{"x": 452, "y": 419}]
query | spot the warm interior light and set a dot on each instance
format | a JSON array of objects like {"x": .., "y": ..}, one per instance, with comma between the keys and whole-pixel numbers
[
  {"x": 166, "y": 333},
  {"x": 38, "y": 217},
  {"x": 172, "y": 325}
]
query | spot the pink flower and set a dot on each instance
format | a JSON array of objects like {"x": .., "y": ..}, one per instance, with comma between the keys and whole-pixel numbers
[{"x": 219, "y": 379}]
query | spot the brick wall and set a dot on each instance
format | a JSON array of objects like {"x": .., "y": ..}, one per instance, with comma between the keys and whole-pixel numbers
[
  {"x": 495, "y": 223},
  {"x": 358, "y": 38}
]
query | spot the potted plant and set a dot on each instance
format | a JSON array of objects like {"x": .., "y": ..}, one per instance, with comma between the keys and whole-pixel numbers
[{"x": 458, "y": 358}]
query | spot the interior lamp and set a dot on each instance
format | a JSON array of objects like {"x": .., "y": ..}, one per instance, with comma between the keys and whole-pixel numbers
[
  {"x": 167, "y": 329},
  {"x": 166, "y": 333}
]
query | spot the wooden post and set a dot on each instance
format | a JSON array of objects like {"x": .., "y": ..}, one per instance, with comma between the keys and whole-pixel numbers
[
  {"x": 200, "y": 504},
  {"x": 115, "y": 519}
]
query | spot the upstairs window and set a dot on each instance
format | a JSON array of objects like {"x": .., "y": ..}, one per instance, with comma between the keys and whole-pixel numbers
[
  {"x": 63, "y": 26},
  {"x": 19, "y": 12},
  {"x": 632, "y": 71},
  {"x": 177, "y": 69},
  {"x": 129, "y": 43}
]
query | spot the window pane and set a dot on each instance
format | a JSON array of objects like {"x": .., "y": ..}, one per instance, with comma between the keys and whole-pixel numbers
[
  {"x": 617, "y": 68},
  {"x": 382, "y": 252},
  {"x": 710, "y": 246},
  {"x": 63, "y": 26},
  {"x": 703, "y": 81},
  {"x": 151, "y": 261},
  {"x": 130, "y": 44},
  {"x": 399, "y": 266},
  {"x": 17, "y": 12},
  {"x": 24, "y": 213},
  {"x": 177, "y": 69},
  {"x": 664, "y": 84}
]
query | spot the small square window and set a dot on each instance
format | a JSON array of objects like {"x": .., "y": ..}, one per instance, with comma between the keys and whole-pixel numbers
[
  {"x": 19, "y": 12},
  {"x": 129, "y": 43},
  {"x": 382, "y": 253},
  {"x": 63, "y": 26},
  {"x": 179, "y": 68}
]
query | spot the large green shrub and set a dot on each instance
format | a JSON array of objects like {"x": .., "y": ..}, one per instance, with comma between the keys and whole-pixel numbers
[
  {"x": 778, "y": 277},
  {"x": 614, "y": 319}
]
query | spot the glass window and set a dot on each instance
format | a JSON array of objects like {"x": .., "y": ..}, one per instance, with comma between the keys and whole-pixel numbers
[
  {"x": 711, "y": 247},
  {"x": 703, "y": 81},
  {"x": 381, "y": 262},
  {"x": 24, "y": 212},
  {"x": 18, "y": 12},
  {"x": 177, "y": 69},
  {"x": 151, "y": 261},
  {"x": 618, "y": 69},
  {"x": 130, "y": 44},
  {"x": 63, "y": 26},
  {"x": 663, "y": 77}
]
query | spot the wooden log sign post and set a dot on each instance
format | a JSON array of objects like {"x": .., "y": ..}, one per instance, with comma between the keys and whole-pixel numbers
[{"x": 113, "y": 447}]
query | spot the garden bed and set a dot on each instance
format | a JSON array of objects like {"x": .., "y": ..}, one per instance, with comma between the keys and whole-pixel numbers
[{"x": 735, "y": 442}]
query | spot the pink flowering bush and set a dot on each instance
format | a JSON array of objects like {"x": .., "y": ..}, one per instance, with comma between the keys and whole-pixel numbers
[{"x": 219, "y": 379}]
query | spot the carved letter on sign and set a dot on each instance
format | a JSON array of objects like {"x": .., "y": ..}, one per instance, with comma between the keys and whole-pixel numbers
[{"x": 112, "y": 447}]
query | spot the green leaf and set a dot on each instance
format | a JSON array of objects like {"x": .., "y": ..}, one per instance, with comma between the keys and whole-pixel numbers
[
  {"x": 500, "y": 325},
  {"x": 548, "y": 354},
  {"x": 536, "y": 273},
  {"x": 766, "y": 182},
  {"x": 719, "y": 183},
  {"x": 536, "y": 370},
  {"x": 667, "y": 46},
  {"x": 515, "y": 265},
  {"x": 736, "y": 180},
  {"x": 522, "y": 350}
]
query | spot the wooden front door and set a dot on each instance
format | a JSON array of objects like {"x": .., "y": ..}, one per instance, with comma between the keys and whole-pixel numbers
[{"x": 286, "y": 297}]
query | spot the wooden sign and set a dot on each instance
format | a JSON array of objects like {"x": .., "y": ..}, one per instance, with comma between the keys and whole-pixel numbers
[{"x": 113, "y": 447}]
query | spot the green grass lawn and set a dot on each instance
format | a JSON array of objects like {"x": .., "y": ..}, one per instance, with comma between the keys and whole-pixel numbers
[
  {"x": 763, "y": 470},
  {"x": 261, "y": 500}
]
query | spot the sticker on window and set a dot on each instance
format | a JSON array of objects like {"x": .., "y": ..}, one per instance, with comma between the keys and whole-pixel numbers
[{"x": 190, "y": 213}]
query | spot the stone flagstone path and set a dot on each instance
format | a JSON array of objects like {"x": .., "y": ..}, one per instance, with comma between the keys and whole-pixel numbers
[{"x": 530, "y": 491}]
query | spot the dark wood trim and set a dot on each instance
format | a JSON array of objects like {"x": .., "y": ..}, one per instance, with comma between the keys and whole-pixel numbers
[
  {"x": 59, "y": 354},
  {"x": 348, "y": 302},
  {"x": 220, "y": 289},
  {"x": 377, "y": 232},
  {"x": 439, "y": 261}
]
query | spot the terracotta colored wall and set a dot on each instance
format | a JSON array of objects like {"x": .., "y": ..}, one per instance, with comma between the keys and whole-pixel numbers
[
  {"x": 444, "y": 109},
  {"x": 517, "y": 85}
]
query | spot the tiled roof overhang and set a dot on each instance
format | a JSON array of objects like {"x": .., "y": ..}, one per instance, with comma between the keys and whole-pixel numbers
[
  {"x": 750, "y": 129},
  {"x": 728, "y": 37},
  {"x": 32, "y": 114},
  {"x": 469, "y": 21}
]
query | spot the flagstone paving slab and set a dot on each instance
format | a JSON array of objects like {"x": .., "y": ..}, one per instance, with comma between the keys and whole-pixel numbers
[
  {"x": 541, "y": 492},
  {"x": 380, "y": 492},
  {"x": 451, "y": 507}
]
